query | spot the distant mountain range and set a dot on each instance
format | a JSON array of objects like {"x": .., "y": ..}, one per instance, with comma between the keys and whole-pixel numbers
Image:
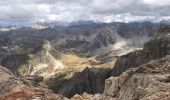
[{"x": 26, "y": 22}]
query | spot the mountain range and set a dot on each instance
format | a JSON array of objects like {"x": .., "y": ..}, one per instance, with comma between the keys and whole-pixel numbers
[{"x": 86, "y": 61}]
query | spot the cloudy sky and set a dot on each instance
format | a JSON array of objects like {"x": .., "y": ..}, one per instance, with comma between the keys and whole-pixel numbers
[{"x": 74, "y": 10}]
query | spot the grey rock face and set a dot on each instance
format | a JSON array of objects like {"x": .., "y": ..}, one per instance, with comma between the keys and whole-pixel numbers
[
  {"x": 128, "y": 30},
  {"x": 103, "y": 39},
  {"x": 154, "y": 49}
]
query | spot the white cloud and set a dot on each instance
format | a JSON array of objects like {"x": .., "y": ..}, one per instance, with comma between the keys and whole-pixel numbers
[
  {"x": 157, "y": 2},
  {"x": 73, "y": 10}
]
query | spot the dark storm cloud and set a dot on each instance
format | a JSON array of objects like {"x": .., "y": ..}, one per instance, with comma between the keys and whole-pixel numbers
[{"x": 72, "y": 10}]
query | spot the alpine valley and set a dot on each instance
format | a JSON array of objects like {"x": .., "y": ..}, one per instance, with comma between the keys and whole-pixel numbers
[{"x": 85, "y": 61}]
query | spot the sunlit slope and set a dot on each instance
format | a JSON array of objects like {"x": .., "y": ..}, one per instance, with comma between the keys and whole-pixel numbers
[{"x": 47, "y": 61}]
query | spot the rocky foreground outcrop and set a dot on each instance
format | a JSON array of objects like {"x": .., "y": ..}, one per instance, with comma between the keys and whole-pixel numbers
[
  {"x": 31, "y": 94},
  {"x": 150, "y": 81},
  {"x": 8, "y": 81},
  {"x": 13, "y": 88}
]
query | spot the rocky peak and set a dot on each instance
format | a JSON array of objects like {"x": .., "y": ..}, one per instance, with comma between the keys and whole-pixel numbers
[
  {"x": 44, "y": 46},
  {"x": 42, "y": 61}
]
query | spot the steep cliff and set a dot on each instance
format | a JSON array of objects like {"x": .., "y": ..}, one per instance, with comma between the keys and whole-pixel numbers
[{"x": 90, "y": 80}]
